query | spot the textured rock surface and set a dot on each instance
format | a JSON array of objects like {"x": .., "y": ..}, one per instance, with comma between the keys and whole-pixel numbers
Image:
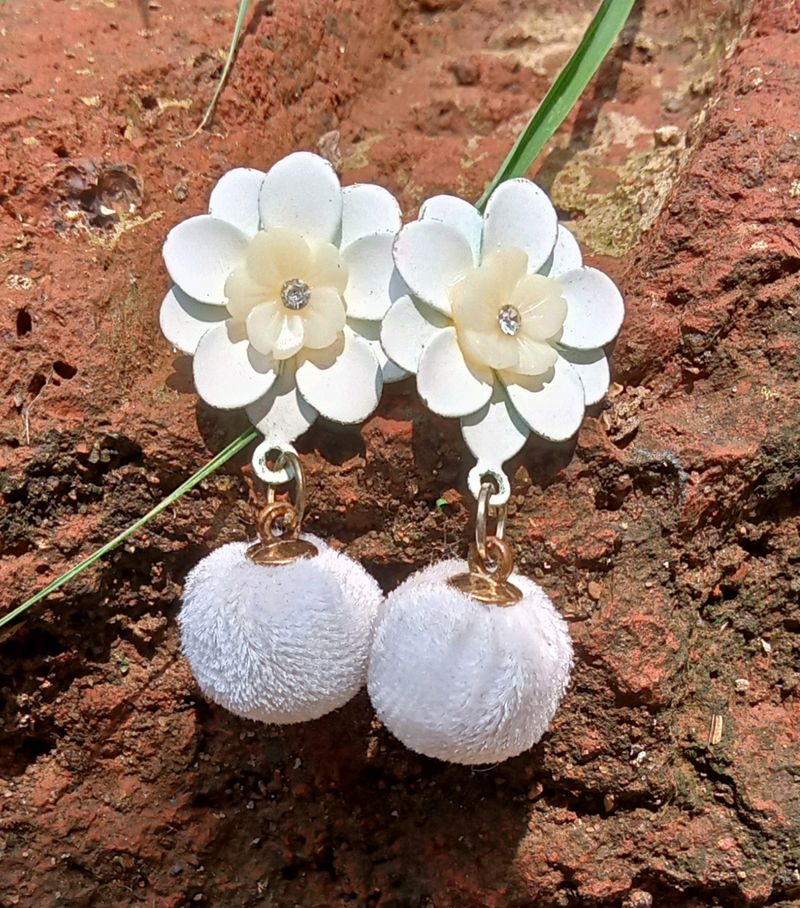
[{"x": 668, "y": 536}]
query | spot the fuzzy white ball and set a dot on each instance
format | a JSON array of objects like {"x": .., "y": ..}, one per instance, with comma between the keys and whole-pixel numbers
[
  {"x": 470, "y": 683},
  {"x": 279, "y": 643}
]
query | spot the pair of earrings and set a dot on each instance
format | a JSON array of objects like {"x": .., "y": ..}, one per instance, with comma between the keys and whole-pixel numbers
[{"x": 298, "y": 298}]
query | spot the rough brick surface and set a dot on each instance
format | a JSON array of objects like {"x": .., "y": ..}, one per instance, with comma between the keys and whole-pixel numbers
[{"x": 668, "y": 535}]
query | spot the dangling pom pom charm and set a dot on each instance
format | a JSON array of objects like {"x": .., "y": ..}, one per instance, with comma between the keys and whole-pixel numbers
[
  {"x": 470, "y": 665},
  {"x": 279, "y": 631}
]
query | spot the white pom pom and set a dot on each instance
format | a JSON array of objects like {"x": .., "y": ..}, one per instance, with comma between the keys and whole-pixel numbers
[
  {"x": 462, "y": 681},
  {"x": 279, "y": 643}
]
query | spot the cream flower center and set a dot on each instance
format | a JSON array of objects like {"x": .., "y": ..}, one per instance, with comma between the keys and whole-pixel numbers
[
  {"x": 506, "y": 318},
  {"x": 288, "y": 293}
]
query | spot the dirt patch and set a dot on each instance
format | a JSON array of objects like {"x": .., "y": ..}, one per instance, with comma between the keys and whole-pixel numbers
[{"x": 668, "y": 536}]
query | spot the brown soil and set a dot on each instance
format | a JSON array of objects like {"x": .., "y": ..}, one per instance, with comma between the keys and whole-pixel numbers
[{"x": 668, "y": 535}]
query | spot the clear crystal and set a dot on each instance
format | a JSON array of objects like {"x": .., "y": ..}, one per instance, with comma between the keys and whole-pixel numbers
[
  {"x": 509, "y": 320},
  {"x": 295, "y": 294}
]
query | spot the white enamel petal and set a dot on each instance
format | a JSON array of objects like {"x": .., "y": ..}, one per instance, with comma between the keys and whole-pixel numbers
[
  {"x": 552, "y": 409},
  {"x": 371, "y": 332},
  {"x": 344, "y": 381},
  {"x": 593, "y": 371},
  {"x": 407, "y": 328},
  {"x": 235, "y": 198},
  {"x": 446, "y": 382},
  {"x": 496, "y": 432},
  {"x": 566, "y": 255},
  {"x": 372, "y": 280},
  {"x": 368, "y": 209},
  {"x": 228, "y": 372},
  {"x": 458, "y": 213},
  {"x": 431, "y": 256},
  {"x": 302, "y": 192},
  {"x": 282, "y": 414},
  {"x": 594, "y": 309},
  {"x": 184, "y": 321},
  {"x": 200, "y": 253},
  {"x": 519, "y": 215}
]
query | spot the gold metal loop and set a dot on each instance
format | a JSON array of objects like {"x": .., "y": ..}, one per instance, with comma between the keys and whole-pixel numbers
[
  {"x": 299, "y": 476},
  {"x": 279, "y": 522},
  {"x": 500, "y": 561},
  {"x": 482, "y": 519},
  {"x": 491, "y": 561}
]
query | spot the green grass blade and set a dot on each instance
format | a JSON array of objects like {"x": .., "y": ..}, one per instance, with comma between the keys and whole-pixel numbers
[
  {"x": 564, "y": 92},
  {"x": 237, "y": 30},
  {"x": 233, "y": 448}
]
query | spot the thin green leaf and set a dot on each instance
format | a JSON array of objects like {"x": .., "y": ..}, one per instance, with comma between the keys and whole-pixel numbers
[
  {"x": 564, "y": 92},
  {"x": 225, "y": 455},
  {"x": 237, "y": 30}
]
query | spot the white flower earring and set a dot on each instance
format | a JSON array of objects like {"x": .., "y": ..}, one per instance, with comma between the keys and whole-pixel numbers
[
  {"x": 504, "y": 328},
  {"x": 278, "y": 295}
]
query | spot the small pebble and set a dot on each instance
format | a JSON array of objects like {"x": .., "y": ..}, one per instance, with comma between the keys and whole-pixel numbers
[
  {"x": 535, "y": 791},
  {"x": 466, "y": 72},
  {"x": 667, "y": 135},
  {"x": 638, "y": 899}
]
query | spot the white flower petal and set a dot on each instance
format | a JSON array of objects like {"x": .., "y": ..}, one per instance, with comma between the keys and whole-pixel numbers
[
  {"x": 372, "y": 280},
  {"x": 447, "y": 383},
  {"x": 407, "y": 328},
  {"x": 519, "y": 215},
  {"x": 553, "y": 409},
  {"x": 343, "y": 382},
  {"x": 235, "y": 198},
  {"x": 371, "y": 332},
  {"x": 184, "y": 321},
  {"x": 594, "y": 309},
  {"x": 496, "y": 432},
  {"x": 228, "y": 372},
  {"x": 282, "y": 414},
  {"x": 458, "y": 213},
  {"x": 200, "y": 253},
  {"x": 566, "y": 254},
  {"x": 431, "y": 256},
  {"x": 593, "y": 371},
  {"x": 368, "y": 209},
  {"x": 302, "y": 192}
]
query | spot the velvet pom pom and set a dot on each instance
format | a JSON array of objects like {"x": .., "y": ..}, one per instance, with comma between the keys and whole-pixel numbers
[
  {"x": 455, "y": 679},
  {"x": 279, "y": 643}
]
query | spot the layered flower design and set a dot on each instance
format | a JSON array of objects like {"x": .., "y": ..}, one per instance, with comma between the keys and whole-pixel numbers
[
  {"x": 279, "y": 292},
  {"x": 503, "y": 326}
]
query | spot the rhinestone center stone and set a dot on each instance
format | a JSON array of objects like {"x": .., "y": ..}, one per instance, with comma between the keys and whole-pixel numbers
[
  {"x": 295, "y": 294},
  {"x": 509, "y": 320}
]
